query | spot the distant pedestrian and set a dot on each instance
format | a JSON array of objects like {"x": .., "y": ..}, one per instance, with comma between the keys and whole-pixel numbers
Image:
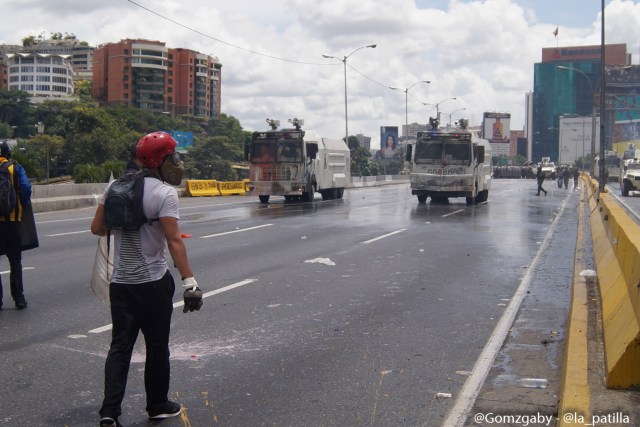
[
  {"x": 566, "y": 174},
  {"x": 576, "y": 175},
  {"x": 540, "y": 179},
  {"x": 18, "y": 188},
  {"x": 142, "y": 287}
]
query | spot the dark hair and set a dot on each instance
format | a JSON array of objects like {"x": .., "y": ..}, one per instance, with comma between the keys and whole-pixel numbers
[{"x": 5, "y": 149}]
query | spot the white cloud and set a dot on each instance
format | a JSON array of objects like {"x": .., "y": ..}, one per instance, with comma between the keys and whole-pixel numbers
[{"x": 480, "y": 51}]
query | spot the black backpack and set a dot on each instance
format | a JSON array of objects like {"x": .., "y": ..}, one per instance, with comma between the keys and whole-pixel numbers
[
  {"x": 123, "y": 204},
  {"x": 8, "y": 196}
]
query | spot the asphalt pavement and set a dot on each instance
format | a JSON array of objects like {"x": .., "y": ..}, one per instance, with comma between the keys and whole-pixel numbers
[{"x": 525, "y": 385}]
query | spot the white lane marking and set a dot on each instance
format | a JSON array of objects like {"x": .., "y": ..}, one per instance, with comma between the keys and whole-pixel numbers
[
  {"x": 385, "y": 235},
  {"x": 64, "y": 220},
  {"x": 66, "y": 234},
  {"x": 236, "y": 231},
  {"x": 181, "y": 303},
  {"x": 471, "y": 387},
  {"x": 452, "y": 213},
  {"x": 23, "y": 269}
]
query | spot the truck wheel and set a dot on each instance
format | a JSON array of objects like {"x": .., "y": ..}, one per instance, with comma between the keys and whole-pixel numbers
[
  {"x": 422, "y": 199},
  {"x": 625, "y": 188},
  {"x": 264, "y": 199},
  {"x": 470, "y": 200},
  {"x": 324, "y": 194},
  {"x": 307, "y": 196},
  {"x": 339, "y": 193}
]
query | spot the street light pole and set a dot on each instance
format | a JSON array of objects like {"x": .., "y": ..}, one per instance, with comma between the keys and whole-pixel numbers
[
  {"x": 406, "y": 101},
  {"x": 344, "y": 62},
  {"x": 40, "y": 127},
  {"x": 459, "y": 109},
  {"x": 437, "y": 104}
]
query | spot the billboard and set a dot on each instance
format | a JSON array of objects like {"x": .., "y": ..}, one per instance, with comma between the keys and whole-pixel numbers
[
  {"x": 388, "y": 142},
  {"x": 184, "y": 139},
  {"x": 574, "y": 138},
  {"x": 495, "y": 128}
]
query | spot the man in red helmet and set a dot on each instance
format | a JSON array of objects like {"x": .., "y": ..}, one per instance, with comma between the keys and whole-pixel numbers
[{"x": 141, "y": 288}]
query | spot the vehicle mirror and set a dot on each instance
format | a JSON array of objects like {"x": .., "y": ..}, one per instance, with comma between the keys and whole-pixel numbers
[
  {"x": 312, "y": 150},
  {"x": 409, "y": 152}
]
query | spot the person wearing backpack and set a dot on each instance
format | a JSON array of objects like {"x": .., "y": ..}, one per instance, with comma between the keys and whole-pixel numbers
[
  {"x": 141, "y": 287},
  {"x": 15, "y": 192}
]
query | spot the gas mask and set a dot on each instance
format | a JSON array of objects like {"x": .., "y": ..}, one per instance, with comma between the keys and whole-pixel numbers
[{"x": 172, "y": 169}]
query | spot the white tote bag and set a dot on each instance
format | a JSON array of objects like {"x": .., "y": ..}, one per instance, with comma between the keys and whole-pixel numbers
[{"x": 102, "y": 268}]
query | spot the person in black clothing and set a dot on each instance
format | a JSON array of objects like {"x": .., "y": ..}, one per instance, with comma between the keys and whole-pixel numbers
[
  {"x": 576, "y": 176},
  {"x": 540, "y": 178},
  {"x": 10, "y": 237}
]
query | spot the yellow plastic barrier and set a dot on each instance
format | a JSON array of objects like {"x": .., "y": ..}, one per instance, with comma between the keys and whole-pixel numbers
[
  {"x": 202, "y": 187},
  {"x": 231, "y": 188},
  {"x": 616, "y": 249}
]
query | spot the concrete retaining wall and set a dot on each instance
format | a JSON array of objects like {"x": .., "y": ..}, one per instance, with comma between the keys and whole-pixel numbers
[{"x": 55, "y": 197}]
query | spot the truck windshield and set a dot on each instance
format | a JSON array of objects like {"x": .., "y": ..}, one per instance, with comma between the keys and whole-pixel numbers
[
  {"x": 289, "y": 150},
  {"x": 263, "y": 152},
  {"x": 447, "y": 153}
]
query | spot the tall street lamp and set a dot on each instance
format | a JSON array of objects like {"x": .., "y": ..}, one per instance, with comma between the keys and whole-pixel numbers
[
  {"x": 40, "y": 128},
  {"x": 437, "y": 104},
  {"x": 593, "y": 114},
  {"x": 406, "y": 96},
  {"x": 344, "y": 62},
  {"x": 451, "y": 114}
]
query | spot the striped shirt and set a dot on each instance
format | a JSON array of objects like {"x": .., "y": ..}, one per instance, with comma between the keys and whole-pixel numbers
[{"x": 139, "y": 255}]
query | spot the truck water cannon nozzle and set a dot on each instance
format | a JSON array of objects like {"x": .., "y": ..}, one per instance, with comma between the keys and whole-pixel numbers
[
  {"x": 273, "y": 123},
  {"x": 298, "y": 123},
  {"x": 434, "y": 123},
  {"x": 463, "y": 123}
]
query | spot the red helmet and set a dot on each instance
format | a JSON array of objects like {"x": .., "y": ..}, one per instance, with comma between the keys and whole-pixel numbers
[{"x": 154, "y": 147}]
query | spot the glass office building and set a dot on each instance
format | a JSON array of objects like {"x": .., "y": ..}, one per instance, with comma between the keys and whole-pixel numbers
[{"x": 564, "y": 85}]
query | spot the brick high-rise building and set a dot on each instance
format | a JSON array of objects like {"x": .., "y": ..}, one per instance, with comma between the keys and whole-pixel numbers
[{"x": 148, "y": 75}]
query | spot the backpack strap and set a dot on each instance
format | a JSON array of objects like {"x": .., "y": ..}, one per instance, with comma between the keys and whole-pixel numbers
[{"x": 148, "y": 174}]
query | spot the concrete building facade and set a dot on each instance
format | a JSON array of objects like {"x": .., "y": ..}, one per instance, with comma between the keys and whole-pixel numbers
[{"x": 148, "y": 75}]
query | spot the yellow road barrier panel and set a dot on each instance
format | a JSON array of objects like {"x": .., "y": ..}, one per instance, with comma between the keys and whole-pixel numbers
[
  {"x": 202, "y": 187},
  {"x": 232, "y": 188},
  {"x": 616, "y": 249}
]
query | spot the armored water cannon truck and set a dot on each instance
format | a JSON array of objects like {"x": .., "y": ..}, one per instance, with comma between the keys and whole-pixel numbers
[
  {"x": 295, "y": 163},
  {"x": 451, "y": 162}
]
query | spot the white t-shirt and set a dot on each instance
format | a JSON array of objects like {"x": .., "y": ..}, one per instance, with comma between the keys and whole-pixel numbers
[{"x": 139, "y": 255}]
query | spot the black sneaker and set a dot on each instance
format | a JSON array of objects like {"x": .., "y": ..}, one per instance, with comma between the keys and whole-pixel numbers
[
  {"x": 170, "y": 409},
  {"x": 110, "y": 422},
  {"x": 21, "y": 304}
]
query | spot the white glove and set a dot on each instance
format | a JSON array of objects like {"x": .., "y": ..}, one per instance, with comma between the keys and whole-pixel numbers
[{"x": 189, "y": 282}]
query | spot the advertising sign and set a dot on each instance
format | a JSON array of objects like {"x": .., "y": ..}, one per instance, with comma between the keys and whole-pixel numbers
[
  {"x": 574, "y": 138},
  {"x": 184, "y": 139},
  {"x": 495, "y": 128},
  {"x": 388, "y": 142}
]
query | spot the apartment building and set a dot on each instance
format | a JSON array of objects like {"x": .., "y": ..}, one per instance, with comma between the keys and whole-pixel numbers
[
  {"x": 147, "y": 74},
  {"x": 42, "y": 75}
]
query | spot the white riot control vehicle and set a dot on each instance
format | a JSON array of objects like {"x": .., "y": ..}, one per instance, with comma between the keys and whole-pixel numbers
[
  {"x": 295, "y": 164},
  {"x": 630, "y": 177},
  {"x": 450, "y": 162}
]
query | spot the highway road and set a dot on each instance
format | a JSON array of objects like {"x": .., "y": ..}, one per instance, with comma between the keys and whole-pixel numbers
[{"x": 352, "y": 312}]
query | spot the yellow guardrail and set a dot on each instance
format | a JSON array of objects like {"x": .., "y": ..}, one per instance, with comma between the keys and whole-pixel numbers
[
  {"x": 202, "y": 187},
  {"x": 616, "y": 249}
]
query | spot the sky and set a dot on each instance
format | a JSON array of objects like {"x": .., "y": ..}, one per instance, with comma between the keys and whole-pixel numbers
[{"x": 481, "y": 52}]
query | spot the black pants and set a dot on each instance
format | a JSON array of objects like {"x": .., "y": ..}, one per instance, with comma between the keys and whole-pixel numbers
[
  {"x": 10, "y": 245},
  {"x": 141, "y": 307}
]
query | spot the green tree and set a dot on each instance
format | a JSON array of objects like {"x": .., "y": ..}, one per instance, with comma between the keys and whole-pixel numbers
[
  {"x": 6, "y": 131},
  {"x": 14, "y": 106},
  {"x": 209, "y": 159}
]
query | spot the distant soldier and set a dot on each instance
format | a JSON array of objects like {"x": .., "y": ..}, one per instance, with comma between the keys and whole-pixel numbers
[{"x": 540, "y": 178}]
